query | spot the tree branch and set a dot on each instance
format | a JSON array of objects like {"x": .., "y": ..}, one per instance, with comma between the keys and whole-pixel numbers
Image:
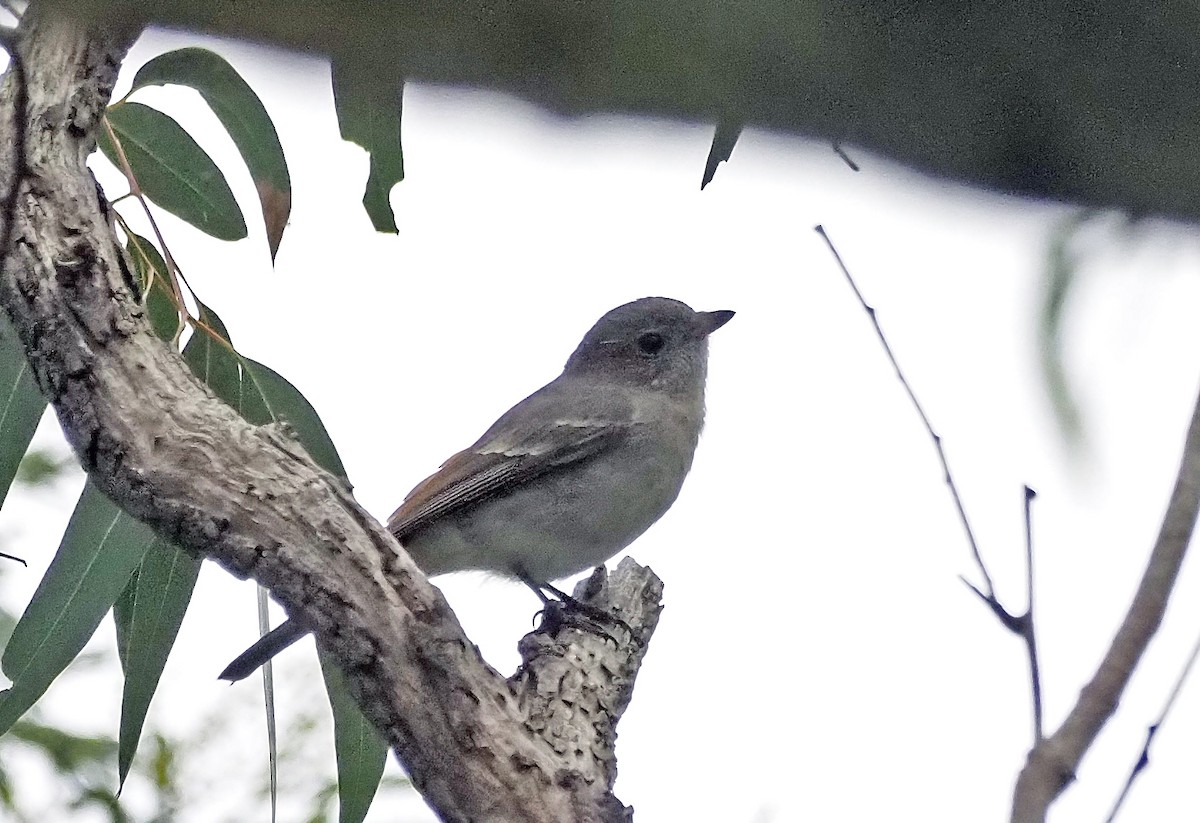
[
  {"x": 165, "y": 449},
  {"x": 1052, "y": 763}
]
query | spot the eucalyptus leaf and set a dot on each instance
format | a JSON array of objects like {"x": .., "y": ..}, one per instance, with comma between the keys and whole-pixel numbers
[
  {"x": 148, "y": 616},
  {"x": 172, "y": 170},
  {"x": 21, "y": 405},
  {"x": 244, "y": 117},
  {"x": 361, "y": 752},
  {"x": 99, "y": 551},
  {"x": 368, "y": 104},
  {"x": 153, "y": 278}
]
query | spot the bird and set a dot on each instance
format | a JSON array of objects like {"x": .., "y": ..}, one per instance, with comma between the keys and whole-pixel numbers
[{"x": 572, "y": 474}]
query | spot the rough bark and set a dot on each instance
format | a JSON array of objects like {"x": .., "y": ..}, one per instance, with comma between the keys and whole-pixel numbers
[
  {"x": 160, "y": 445},
  {"x": 1097, "y": 105}
]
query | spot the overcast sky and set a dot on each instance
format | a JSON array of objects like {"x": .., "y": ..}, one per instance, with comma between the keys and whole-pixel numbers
[{"x": 818, "y": 657}]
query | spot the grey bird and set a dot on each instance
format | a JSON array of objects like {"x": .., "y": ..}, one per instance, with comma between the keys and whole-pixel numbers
[{"x": 573, "y": 473}]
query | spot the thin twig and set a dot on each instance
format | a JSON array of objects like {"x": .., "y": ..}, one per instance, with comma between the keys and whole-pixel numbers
[
  {"x": 268, "y": 675},
  {"x": 1021, "y": 625},
  {"x": 136, "y": 190},
  {"x": 1028, "y": 633},
  {"x": 1144, "y": 757},
  {"x": 937, "y": 440},
  {"x": 20, "y": 560},
  {"x": 849, "y": 161}
]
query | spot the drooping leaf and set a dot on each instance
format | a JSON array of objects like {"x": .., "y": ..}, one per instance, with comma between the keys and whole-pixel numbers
[
  {"x": 99, "y": 551},
  {"x": 268, "y": 675},
  {"x": 153, "y": 278},
  {"x": 21, "y": 405},
  {"x": 724, "y": 139},
  {"x": 242, "y": 113},
  {"x": 172, "y": 170},
  {"x": 148, "y": 615},
  {"x": 368, "y": 105},
  {"x": 1061, "y": 271},
  {"x": 361, "y": 752}
]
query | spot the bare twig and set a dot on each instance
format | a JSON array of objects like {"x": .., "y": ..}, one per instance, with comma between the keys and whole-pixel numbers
[
  {"x": 135, "y": 189},
  {"x": 268, "y": 676},
  {"x": 1027, "y": 623},
  {"x": 1021, "y": 625},
  {"x": 1051, "y": 764},
  {"x": 937, "y": 440},
  {"x": 1144, "y": 757},
  {"x": 14, "y": 557},
  {"x": 847, "y": 159}
]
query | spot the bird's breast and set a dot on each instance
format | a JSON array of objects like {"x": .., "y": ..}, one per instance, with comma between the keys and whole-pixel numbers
[{"x": 571, "y": 519}]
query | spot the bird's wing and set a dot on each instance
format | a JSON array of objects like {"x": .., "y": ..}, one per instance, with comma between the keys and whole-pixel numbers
[{"x": 538, "y": 436}]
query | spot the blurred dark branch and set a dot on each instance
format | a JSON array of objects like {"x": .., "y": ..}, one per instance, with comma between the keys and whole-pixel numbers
[{"x": 986, "y": 93}]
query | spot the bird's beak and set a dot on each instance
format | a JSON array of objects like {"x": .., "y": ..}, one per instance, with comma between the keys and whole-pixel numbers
[{"x": 710, "y": 321}]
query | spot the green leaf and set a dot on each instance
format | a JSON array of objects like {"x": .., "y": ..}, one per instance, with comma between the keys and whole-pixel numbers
[
  {"x": 368, "y": 105},
  {"x": 724, "y": 139},
  {"x": 1061, "y": 270},
  {"x": 257, "y": 392},
  {"x": 21, "y": 405},
  {"x": 153, "y": 278},
  {"x": 70, "y": 754},
  {"x": 283, "y": 403},
  {"x": 40, "y": 467},
  {"x": 213, "y": 359},
  {"x": 99, "y": 551},
  {"x": 172, "y": 170},
  {"x": 148, "y": 615},
  {"x": 361, "y": 752},
  {"x": 242, "y": 113}
]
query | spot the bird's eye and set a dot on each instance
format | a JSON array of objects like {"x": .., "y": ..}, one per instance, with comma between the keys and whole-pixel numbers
[{"x": 650, "y": 342}]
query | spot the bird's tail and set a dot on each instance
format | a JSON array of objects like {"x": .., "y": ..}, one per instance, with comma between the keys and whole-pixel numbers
[{"x": 269, "y": 645}]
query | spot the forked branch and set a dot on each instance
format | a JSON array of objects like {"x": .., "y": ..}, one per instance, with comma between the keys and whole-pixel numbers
[{"x": 1051, "y": 764}]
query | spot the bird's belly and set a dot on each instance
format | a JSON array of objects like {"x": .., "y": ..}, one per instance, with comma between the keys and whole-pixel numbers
[{"x": 560, "y": 524}]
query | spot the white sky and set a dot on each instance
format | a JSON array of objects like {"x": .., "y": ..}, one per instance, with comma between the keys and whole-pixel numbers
[{"x": 818, "y": 657}]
